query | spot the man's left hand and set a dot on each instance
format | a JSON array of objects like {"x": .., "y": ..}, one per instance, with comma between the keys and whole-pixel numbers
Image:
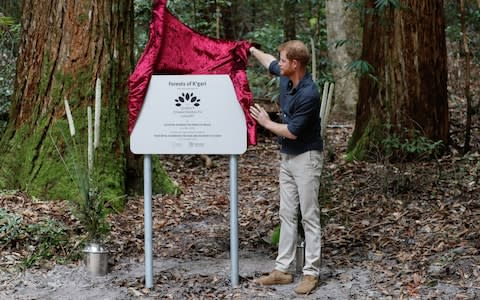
[{"x": 259, "y": 114}]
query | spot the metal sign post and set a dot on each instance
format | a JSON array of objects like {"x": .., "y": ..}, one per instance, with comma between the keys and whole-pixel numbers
[
  {"x": 234, "y": 219},
  {"x": 147, "y": 215},
  {"x": 190, "y": 114},
  {"x": 147, "y": 184}
]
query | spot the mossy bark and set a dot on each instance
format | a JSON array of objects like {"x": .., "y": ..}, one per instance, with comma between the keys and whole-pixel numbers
[
  {"x": 65, "y": 46},
  {"x": 407, "y": 48},
  {"x": 367, "y": 144}
]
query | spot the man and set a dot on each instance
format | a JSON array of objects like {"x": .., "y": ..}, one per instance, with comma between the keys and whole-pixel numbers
[{"x": 301, "y": 160}]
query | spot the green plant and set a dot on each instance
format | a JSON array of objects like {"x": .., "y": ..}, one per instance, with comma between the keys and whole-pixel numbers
[
  {"x": 9, "y": 37},
  {"x": 10, "y": 227},
  {"x": 383, "y": 4},
  {"x": 411, "y": 143},
  {"x": 143, "y": 13},
  {"x": 362, "y": 68},
  {"x": 48, "y": 238},
  {"x": 391, "y": 146},
  {"x": 44, "y": 239},
  {"x": 91, "y": 206},
  {"x": 275, "y": 239}
]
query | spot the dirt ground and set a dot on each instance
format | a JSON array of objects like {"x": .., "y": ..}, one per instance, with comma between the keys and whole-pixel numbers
[
  {"x": 202, "y": 278},
  {"x": 378, "y": 243}
]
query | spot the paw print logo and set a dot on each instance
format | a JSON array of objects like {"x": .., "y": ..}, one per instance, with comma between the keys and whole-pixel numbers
[{"x": 187, "y": 98}]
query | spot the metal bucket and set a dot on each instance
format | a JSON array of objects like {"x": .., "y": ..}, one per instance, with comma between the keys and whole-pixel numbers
[{"x": 96, "y": 259}]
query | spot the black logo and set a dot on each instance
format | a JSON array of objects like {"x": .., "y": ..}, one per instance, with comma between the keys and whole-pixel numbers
[{"x": 186, "y": 99}]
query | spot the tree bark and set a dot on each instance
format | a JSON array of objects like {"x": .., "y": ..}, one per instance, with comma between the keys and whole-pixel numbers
[
  {"x": 467, "y": 75},
  {"x": 10, "y": 8},
  {"x": 343, "y": 28},
  {"x": 407, "y": 48},
  {"x": 289, "y": 29},
  {"x": 230, "y": 21},
  {"x": 65, "y": 46}
]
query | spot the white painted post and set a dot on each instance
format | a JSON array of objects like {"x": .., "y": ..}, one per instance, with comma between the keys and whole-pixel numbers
[
  {"x": 323, "y": 103},
  {"x": 326, "y": 104}
]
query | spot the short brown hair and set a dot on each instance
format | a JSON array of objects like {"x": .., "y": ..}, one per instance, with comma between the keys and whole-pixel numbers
[{"x": 297, "y": 50}]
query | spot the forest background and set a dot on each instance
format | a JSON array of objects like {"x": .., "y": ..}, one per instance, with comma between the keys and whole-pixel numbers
[{"x": 412, "y": 178}]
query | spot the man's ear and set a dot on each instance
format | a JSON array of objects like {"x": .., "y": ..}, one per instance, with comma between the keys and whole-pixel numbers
[{"x": 295, "y": 63}]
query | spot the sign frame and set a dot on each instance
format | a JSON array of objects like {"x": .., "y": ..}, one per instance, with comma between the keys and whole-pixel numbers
[{"x": 205, "y": 128}]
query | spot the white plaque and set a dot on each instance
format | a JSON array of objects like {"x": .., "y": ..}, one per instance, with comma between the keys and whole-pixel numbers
[{"x": 190, "y": 114}]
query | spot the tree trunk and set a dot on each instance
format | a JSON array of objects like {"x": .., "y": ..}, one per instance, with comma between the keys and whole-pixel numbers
[
  {"x": 407, "y": 48},
  {"x": 343, "y": 29},
  {"x": 65, "y": 46},
  {"x": 289, "y": 29},
  {"x": 10, "y": 8},
  {"x": 467, "y": 72},
  {"x": 229, "y": 21}
]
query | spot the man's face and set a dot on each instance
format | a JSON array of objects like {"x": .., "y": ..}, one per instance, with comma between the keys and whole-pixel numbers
[{"x": 287, "y": 66}]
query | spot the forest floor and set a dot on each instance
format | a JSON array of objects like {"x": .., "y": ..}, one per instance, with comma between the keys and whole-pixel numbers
[{"x": 390, "y": 231}]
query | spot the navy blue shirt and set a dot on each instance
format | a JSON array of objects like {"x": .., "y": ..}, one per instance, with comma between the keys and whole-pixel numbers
[{"x": 300, "y": 107}]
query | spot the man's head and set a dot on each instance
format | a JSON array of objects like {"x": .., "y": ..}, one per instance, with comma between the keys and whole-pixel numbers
[{"x": 296, "y": 50}]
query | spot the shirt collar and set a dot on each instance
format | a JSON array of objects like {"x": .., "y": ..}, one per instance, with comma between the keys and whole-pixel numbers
[{"x": 292, "y": 90}]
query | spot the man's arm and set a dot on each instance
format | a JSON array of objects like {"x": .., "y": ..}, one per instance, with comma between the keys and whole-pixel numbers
[
  {"x": 258, "y": 112},
  {"x": 262, "y": 117},
  {"x": 265, "y": 59}
]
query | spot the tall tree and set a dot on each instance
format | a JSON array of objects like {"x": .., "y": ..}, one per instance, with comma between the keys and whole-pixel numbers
[
  {"x": 468, "y": 97},
  {"x": 65, "y": 46},
  {"x": 344, "y": 37},
  {"x": 10, "y": 8},
  {"x": 406, "y": 47},
  {"x": 289, "y": 18},
  {"x": 230, "y": 20}
]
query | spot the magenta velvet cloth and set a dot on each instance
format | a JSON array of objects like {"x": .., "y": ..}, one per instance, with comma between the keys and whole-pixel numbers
[{"x": 175, "y": 49}]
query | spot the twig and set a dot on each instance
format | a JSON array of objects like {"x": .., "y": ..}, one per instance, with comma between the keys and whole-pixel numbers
[{"x": 339, "y": 126}]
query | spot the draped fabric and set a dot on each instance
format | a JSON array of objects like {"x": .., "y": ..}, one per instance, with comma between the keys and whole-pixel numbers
[{"x": 175, "y": 49}]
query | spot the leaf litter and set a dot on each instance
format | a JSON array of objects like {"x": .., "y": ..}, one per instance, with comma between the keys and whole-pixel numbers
[{"x": 413, "y": 227}]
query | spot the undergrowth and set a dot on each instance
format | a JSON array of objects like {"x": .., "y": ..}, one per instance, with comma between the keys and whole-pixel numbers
[{"x": 42, "y": 240}]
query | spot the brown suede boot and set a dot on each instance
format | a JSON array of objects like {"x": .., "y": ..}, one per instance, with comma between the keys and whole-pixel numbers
[
  {"x": 306, "y": 285},
  {"x": 275, "y": 277}
]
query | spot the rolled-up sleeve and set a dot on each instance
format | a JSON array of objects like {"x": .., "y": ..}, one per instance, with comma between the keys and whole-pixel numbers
[
  {"x": 301, "y": 119},
  {"x": 274, "y": 68}
]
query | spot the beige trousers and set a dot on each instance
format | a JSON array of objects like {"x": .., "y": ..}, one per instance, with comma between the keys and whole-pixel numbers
[{"x": 299, "y": 186}]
